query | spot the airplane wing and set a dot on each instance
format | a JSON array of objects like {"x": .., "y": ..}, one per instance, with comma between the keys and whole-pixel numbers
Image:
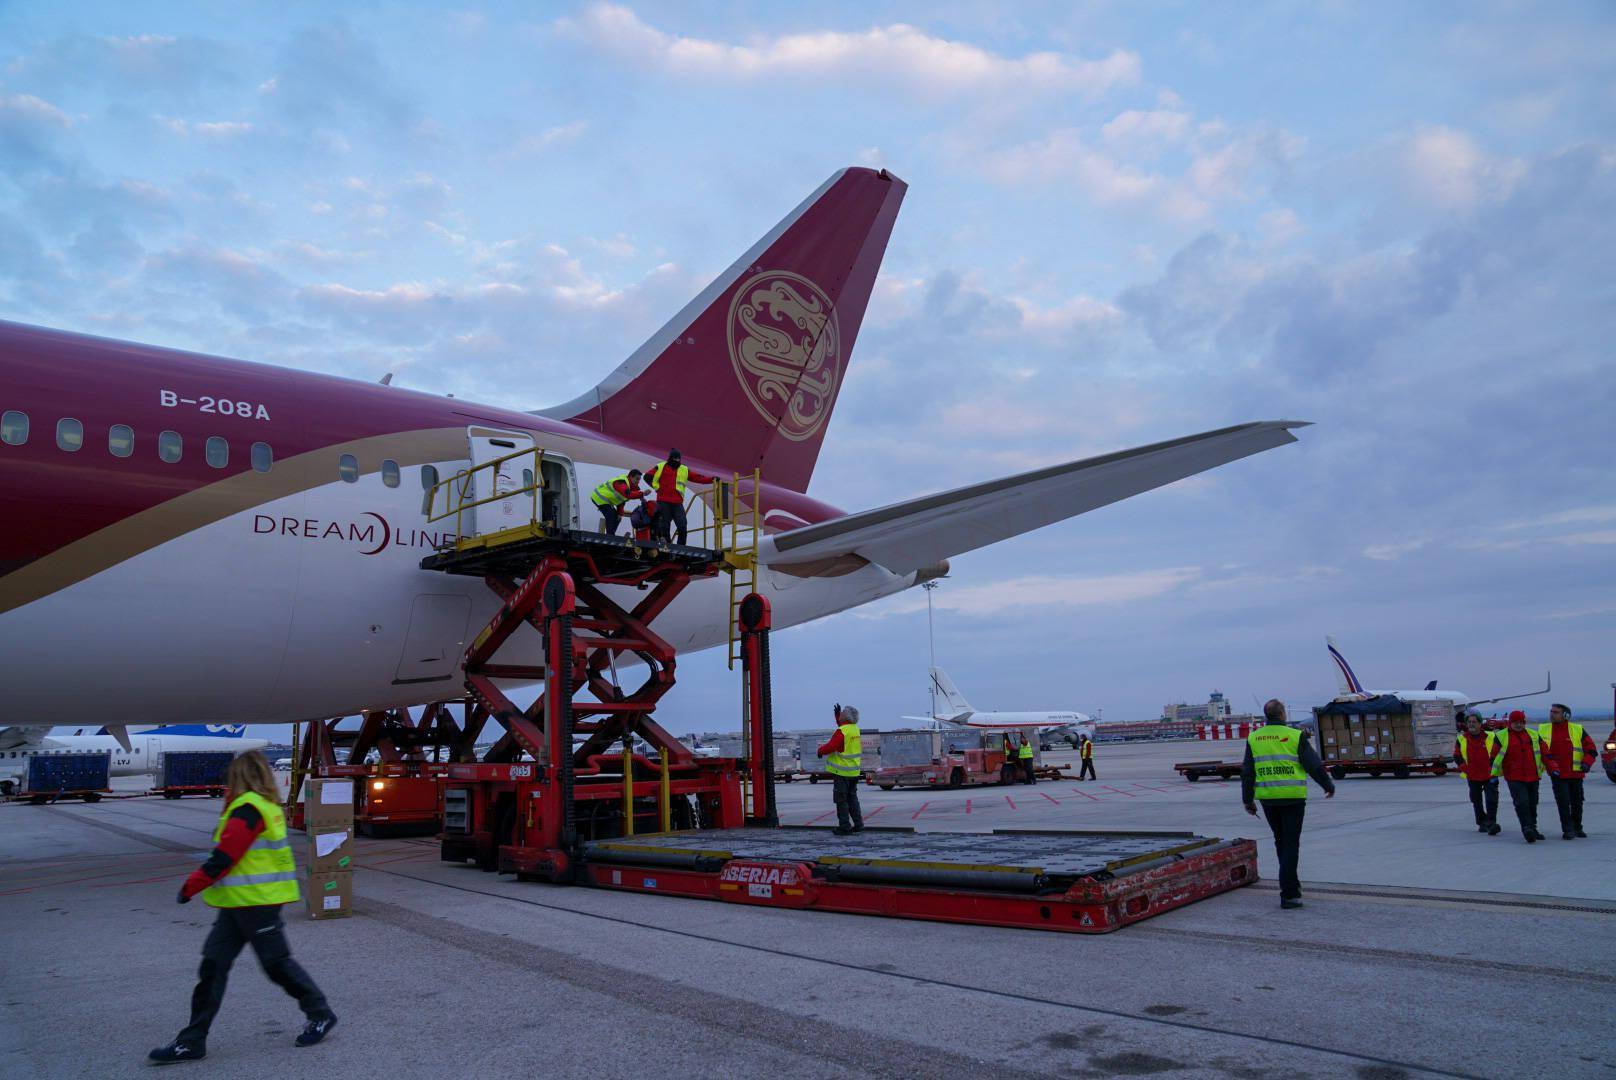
[
  {"x": 1548, "y": 685},
  {"x": 17, "y": 738},
  {"x": 917, "y": 533}
]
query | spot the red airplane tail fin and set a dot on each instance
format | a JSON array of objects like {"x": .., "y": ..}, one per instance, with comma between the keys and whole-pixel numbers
[{"x": 746, "y": 375}]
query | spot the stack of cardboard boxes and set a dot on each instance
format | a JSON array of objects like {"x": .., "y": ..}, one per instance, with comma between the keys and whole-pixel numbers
[
  {"x": 1389, "y": 737},
  {"x": 328, "y": 815},
  {"x": 1366, "y": 738}
]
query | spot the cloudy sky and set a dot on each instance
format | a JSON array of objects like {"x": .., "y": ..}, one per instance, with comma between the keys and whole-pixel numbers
[{"x": 1126, "y": 222}]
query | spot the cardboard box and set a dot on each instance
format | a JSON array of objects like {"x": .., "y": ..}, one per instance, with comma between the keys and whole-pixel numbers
[
  {"x": 1329, "y": 738},
  {"x": 329, "y": 896},
  {"x": 328, "y": 803},
  {"x": 331, "y": 849}
]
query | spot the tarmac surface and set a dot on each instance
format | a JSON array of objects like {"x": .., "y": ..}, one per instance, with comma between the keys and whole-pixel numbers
[{"x": 1425, "y": 949}]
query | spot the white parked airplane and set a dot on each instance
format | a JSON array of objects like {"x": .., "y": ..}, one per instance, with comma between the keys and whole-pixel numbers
[
  {"x": 1349, "y": 688},
  {"x": 206, "y": 539},
  {"x": 143, "y": 757},
  {"x": 960, "y": 713}
]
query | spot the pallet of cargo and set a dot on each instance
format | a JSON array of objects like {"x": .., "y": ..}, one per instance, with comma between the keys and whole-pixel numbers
[
  {"x": 56, "y": 775},
  {"x": 1076, "y": 882},
  {"x": 193, "y": 772}
]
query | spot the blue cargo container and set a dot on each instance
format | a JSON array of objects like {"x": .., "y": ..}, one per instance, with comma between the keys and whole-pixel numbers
[
  {"x": 83, "y": 775},
  {"x": 194, "y": 771}
]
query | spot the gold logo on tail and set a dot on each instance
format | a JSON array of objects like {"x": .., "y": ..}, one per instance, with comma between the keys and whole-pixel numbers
[{"x": 786, "y": 348}]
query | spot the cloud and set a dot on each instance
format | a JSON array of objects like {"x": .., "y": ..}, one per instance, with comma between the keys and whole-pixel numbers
[
  {"x": 206, "y": 129},
  {"x": 28, "y": 130},
  {"x": 551, "y": 136},
  {"x": 918, "y": 62},
  {"x": 1446, "y": 169},
  {"x": 137, "y": 66}
]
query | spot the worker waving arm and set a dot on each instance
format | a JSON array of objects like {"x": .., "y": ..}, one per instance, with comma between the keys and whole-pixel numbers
[{"x": 241, "y": 829}]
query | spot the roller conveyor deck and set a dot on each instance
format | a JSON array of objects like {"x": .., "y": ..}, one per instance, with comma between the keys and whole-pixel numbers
[{"x": 1076, "y": 881}]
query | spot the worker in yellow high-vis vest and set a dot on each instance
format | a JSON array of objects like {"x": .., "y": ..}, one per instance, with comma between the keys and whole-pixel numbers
[
  {"x": 248, "y": 877},
  {"x": 1279, "y": 760},
  {"x": 610, "y": 496},
  {"x": 844, "y": 752},
  {"x": 1024, "y": 755}
]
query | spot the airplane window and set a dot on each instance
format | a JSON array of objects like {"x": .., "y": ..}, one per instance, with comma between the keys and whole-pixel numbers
[
  {"x": 170, "y": 446},
  {"x": 120, "y": 440},
  {"x": 429, "y": 477},
  {"x": 262, "y": 457},
  {"x": 69, "y": 434},
  {"x": 390, "y": 472},
  {"x": 14, "y": 428},
  {"x": 348, "y": 468},
  {"x": 217, "y": 451}
]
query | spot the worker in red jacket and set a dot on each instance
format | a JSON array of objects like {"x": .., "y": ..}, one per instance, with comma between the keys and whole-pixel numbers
[
  {"x": 1568, "y": 754},
  {"x": 669, "y": 478},
  {"x": 1518, "y": 758},
  {"x": 846, "y": 767},
  {"x": 1473, "y": 753}
]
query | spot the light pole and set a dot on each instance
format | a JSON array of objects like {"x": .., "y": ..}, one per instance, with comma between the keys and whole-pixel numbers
[{"x": 931, "y": 646}]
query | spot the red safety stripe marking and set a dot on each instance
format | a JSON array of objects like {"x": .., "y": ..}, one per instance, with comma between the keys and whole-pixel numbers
[
  {"x": 1086, "y": 795},
  {"x": 922, "y": 810},
  {"x": 876, "y": 811},
  {"x": 1119, "y": 791},
  {"x": 135, "y": 881},
  {"x": 967, "y": 806},
  {"x": 1011, "y": 801},
  {"x": 826, "y": 814},
  {"x": 1050, "y": 797}
]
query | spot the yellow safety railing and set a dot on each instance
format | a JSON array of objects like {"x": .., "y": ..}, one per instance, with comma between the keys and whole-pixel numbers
[
  {"x": 734, "y": 527},
  {"x": 460, "y": 495}
]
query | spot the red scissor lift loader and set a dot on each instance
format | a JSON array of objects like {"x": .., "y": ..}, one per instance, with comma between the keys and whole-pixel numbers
[
  {"x": 585, "y": 786},
  {"x": 569, "y": 770}
]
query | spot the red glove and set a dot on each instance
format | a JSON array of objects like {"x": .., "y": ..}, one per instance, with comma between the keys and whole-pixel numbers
[{"x": 194, "y": 884}]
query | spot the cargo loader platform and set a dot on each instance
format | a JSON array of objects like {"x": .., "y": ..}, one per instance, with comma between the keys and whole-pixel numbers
[{"x": 1079, "y": 882}]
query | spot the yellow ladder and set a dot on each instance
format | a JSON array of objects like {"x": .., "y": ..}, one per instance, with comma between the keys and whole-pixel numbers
[{"x": 740, "y": 520}]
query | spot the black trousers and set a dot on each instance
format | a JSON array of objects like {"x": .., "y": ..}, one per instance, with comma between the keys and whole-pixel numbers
[
  {"x": 1484, "y": 800},
  {"x": 1027, "y": 776},
  {"x": 1523, "y": 793},
  {"x": 609, "y": 517},
  {"x": 260, "y": 927},
  {"x": 669, "y": 515},
  {"x": 1285, "y": 821},
  {"x": 1568, "y": 800},
  {"x": 1087, "y": 770},
  {"x": 844, "y": 789}
]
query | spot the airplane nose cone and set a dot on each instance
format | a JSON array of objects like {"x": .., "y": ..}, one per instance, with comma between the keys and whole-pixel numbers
[{"x": 931, "y": 573}]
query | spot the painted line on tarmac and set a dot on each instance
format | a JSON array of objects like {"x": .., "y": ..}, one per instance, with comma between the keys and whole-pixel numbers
[
  {"x": 1391, "y": 956},
  {"x": 1086, "y": 795},
  {"x": 1119, "y": 791},
  {"x": 922, "y": 810},
  {"x": 1009, "y": 995},
  {"x": 1050, "y": 797}
]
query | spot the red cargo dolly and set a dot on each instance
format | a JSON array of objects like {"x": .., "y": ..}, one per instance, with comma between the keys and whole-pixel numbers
[
  {"x": 1194, "y": 770},
  {"x": 1401, "y": 768}
]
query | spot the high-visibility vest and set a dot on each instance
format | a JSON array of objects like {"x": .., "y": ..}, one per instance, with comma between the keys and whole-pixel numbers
[
  {"x": 1276, "y": 752},
  {"x": 266, "y": 873},
  {"x": 1464, "y": 737},
  {"x": 1025, "y": 752},
  {"x": 1501, "y": 744},
  {"x": 1546, "y": 732},
  {"x": 1088, "y": 749},
  {"x": 849, "y": 759},
  {"x": 608, "y": 495},
  {"x": 654, "y": 478}
]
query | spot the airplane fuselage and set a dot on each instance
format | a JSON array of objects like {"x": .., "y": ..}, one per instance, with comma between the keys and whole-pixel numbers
[
  {"x": 198, "y": 538},
  {"x": 143, "y": 757}
]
